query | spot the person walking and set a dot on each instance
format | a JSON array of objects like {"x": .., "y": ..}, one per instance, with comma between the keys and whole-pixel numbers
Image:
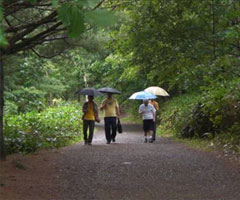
[
  {"x": 90, "y": 115},
  {"x": 156, "y": 106},
  {"x": 111, "y": 113},
  {"x": 148, "y": 113}
]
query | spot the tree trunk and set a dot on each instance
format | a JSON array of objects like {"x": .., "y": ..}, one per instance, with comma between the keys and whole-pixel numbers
[
  {"x": 2, "y": 150},
  {"x": 86, "y": 83},
  {"x": 214, "y": 30}
]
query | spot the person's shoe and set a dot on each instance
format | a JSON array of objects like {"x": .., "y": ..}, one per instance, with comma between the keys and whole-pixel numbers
[
  {"x": 108, "y": 142},
  {"x": 113, "y": 140},
  {"x": 151, "y": 140},
  {"x": 89, "y": 143},
  {"x": 85, "y": 142},
  {"x": 145, "y": 141}
]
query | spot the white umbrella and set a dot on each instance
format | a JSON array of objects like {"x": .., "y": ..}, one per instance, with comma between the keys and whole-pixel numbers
[{"x": 157, "y": 91}]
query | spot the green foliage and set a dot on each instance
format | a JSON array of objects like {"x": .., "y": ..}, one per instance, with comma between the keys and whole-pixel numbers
[
  {"x": 55, "y": 3},
  {"x": 222, "y": 103},
  {"x": 214, "y": 112},
  {"x": 101, "y": 18},
  {"x": 31, "y": 83},
  {"x": 78, "y": 15},
  {"x": 72, "y": 17},
  {"x": 3, "y": 40},
  {"x": 177, "y": 44},
  {"x": 54, "y": 127},
  {"x": 26, "y": 100},
  {"x": 190, "y": 48},
  {"x": 175, "y": 113}
]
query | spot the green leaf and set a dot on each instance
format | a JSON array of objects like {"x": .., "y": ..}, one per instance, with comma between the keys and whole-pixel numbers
[
  {"x": 55, "y": 3},
  {"x": 3, "y": 41},
  {"x": 102, "y": 18},
  {"x": 72, "y": 17}
]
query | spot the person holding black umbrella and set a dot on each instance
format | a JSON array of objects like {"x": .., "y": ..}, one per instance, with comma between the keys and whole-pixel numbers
[
  {"x": 90, "y": 115},
  {"x": 111, "y": 113}
]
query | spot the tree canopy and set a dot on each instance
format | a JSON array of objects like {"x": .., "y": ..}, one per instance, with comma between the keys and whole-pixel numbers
[{"x": 184, "y": 46}]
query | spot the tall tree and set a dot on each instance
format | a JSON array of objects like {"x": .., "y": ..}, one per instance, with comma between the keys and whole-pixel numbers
[
  {"x": 174, "y": 43},
  {"x": 30, "y": 24}
]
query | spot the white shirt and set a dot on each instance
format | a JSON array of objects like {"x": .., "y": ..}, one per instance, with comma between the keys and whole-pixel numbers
[{"x": 147, "y": 111}]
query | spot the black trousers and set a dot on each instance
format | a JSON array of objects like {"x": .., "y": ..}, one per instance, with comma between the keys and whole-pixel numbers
[
  {"x": 154, "y": 130},
  {"x": 110, "y": 128},
  {"x": 88, "y": 124}
]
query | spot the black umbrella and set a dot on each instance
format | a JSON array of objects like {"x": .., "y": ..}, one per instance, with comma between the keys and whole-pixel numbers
[
  {"x": 89, "y": 91},
  {"x": 109, "y": 90}
]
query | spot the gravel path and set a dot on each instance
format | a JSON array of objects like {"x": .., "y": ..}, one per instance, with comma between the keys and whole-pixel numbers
[{"x": 127, "y": 169}]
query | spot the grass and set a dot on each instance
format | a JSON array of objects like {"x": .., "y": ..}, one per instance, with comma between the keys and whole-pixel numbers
[
  {"x": 207, "y": 145},
  {"x": 196, "y": 143}
]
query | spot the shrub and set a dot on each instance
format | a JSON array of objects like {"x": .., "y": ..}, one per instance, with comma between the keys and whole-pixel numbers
[
  {"x": 175, "y": 114},
  {"x": 54, "y": 127},
  {"x": 222, "y": 102},
  {"x": 215, "y": 111}
]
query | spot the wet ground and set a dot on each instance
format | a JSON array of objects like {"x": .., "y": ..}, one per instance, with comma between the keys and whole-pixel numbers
[{"x": 127, "y": 169}]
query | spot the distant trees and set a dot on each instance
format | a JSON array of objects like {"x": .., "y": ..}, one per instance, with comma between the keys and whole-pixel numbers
[
  {"x": 178, "y": 44},
  {"x": 34, "y": 24},
  {"x": 181, "y": 45}
]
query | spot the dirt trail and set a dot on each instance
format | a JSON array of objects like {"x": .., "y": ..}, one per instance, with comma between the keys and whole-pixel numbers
[{"x": 127, "y": 169}]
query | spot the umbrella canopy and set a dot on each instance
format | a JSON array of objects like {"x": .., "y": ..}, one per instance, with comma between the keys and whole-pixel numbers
[
  {"x": 142, "y": 95},
  {"x": 109, "y": 90},
  {"x": 157, "y": 91},
  {"x": 89, "y": 91}
]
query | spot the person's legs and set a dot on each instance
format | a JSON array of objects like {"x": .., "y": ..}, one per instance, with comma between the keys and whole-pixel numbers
[
  {"x": 107, "y": 129},
  {"x": 145, "y": 137},
  {"x": 114, "y": 128},
  {"x": 151, "y": 131},
  {"x": 154, "y": 131},
  {"x": 91, "y": 131},
  {"x": 145, "y": 129},
  {"x": 85, "y": 129}
]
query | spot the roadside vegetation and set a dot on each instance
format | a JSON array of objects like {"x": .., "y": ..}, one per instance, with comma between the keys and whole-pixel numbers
[
  {"x": 54, "y": 127},
  {"x": 211, "y": 116},
  {"x": 189, "y": 48}
]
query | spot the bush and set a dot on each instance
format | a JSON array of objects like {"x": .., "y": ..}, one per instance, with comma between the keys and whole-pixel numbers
[
  {"x": 24, "y": 100},
  {"x": 215, "y": 111},
  {"x": 176, "y": 113},
  {"x": 54, "y": 127},
  {"x": 222, "y": 103}
]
